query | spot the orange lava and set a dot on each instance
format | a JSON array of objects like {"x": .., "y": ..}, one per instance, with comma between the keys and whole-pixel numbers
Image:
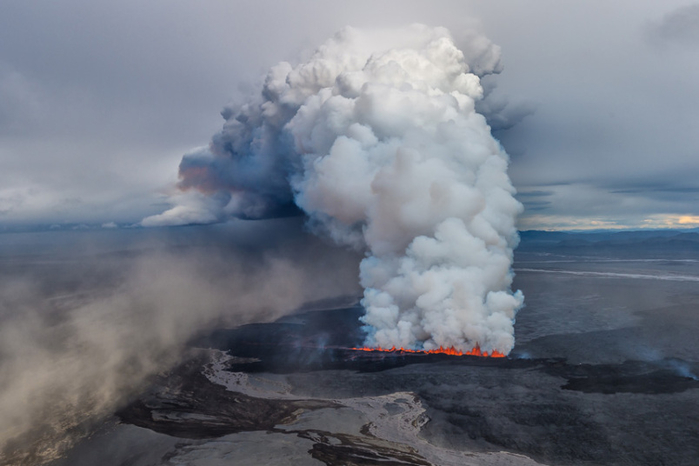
[{"x": 451, "y": 351}]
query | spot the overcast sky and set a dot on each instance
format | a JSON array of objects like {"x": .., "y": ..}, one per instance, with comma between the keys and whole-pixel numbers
[{"x": 99, "y": 101}]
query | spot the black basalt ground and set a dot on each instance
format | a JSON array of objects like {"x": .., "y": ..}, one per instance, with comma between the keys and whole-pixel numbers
[
  {"x": 185, "y": 404},
  {"x": 547, "y": 408},
  {"x": 604, "y": 371}
]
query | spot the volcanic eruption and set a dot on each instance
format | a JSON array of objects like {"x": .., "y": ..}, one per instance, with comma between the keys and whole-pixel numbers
[
  {"x": 476, "y": 351},
  {"x": 377, "y": 140}
]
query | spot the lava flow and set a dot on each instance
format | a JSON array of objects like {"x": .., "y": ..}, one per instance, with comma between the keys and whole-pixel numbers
[{"x": 476, "y": 351}]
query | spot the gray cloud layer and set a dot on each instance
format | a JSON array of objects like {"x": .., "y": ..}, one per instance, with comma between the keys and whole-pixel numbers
[
  {"x": 98, "y": 102},
  {"x": 680, "y": 25}
]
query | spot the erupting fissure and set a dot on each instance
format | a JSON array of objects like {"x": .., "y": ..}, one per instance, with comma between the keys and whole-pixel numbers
[{"x": 476, "y": 351}]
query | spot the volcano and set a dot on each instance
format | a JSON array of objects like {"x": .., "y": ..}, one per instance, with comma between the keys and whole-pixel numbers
[
  {"x": 476, "y": 351},
  {"x": 321, "y": 340}
]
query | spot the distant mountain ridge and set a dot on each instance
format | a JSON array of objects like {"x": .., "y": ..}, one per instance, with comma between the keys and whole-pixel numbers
[{"x": 650, "y": 243}]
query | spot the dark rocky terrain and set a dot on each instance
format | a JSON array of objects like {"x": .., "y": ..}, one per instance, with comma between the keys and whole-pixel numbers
[
  {"x": 552, "y": 410},
  {"x": 604, "y": 372}
]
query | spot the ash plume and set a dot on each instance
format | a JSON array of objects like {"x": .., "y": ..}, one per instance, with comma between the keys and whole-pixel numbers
[
  {"x": 377, "y": 139},
  {"x": 82, "y": 333}
]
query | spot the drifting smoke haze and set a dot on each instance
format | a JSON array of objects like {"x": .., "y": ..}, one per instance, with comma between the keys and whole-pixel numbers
[
  {"x": 80, "y": 333},
  {"x": 376, "y": 138}
]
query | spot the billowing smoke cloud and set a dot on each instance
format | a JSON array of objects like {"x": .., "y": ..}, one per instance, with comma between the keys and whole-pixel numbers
[
  {"x": 80, "y": 333},
  {"x": 376, "y": 138}
]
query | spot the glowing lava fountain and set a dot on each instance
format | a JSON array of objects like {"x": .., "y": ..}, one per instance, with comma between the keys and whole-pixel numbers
[{"x": 476, "y": 351}]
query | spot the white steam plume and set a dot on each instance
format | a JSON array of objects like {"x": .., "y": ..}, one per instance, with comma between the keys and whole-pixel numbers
[{"x": 376, "y": 138}]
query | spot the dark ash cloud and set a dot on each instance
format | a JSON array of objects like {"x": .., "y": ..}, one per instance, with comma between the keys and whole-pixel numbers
[{"x": 680, "y": 26}]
